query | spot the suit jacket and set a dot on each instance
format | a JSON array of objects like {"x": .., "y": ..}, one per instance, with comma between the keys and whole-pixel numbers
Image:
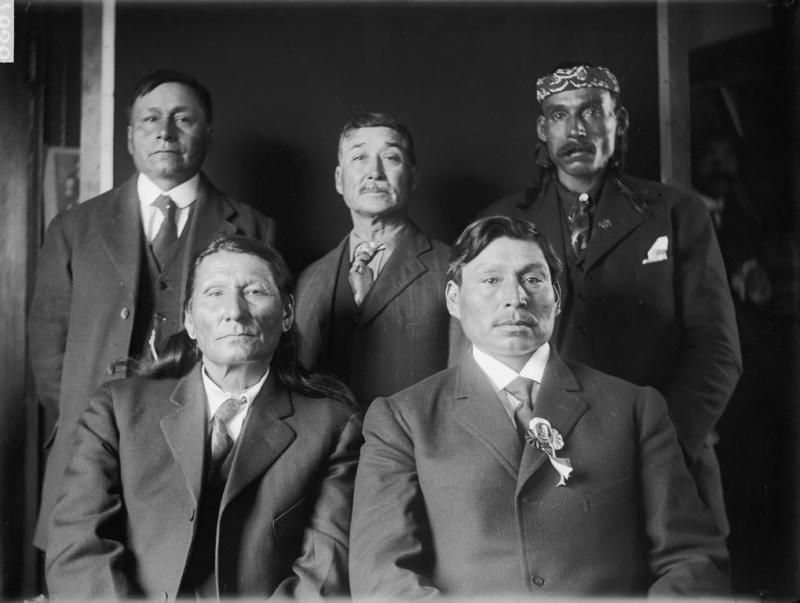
[
  {"x": 402, "y": 331},
  {"x": 448, "y": 499},
  {"x": 125, "y": 521},
  {"x": 84, "y": 303},
  {"x": 669, "y": 324}
]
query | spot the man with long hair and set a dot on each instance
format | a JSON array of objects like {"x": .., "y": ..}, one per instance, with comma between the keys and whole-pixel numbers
[{"x": 224, "y": 469}]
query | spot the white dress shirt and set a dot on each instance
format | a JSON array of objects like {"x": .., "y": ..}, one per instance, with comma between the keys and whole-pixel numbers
[
  {"x": 182, "y": 196},
  {"x": 500, "y": 374},
  {"x": 216, "y": 396}
]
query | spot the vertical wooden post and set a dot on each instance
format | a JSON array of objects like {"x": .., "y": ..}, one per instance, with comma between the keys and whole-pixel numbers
[
  {"x": 673, "y": 94},
  {"x": 97, "y": 104}
]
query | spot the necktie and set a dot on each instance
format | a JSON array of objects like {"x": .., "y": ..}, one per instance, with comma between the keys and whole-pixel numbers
[
  {"x": 361, "y": 276},
  {"x": 521, "y": 388},
  {"x": 167, "y": 235},
  {"x": 221, "y": 442},
  {"x": 579, "y": 222}
]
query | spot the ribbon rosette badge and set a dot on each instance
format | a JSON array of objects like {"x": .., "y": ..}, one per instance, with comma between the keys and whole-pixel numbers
[{"x": 546, "y": 438}]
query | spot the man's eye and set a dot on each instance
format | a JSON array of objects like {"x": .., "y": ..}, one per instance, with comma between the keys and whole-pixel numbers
[
  {"x": 394, "y": 158},
  {"x": 359, "y": 157},
  {"x": 491, "y": 280}
]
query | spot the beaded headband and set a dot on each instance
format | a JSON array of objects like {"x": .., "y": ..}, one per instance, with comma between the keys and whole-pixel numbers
[{"x": 572, "y": 78}]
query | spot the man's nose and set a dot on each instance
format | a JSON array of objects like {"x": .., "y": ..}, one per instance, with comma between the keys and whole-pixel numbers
[
  {"x": 575, "y": 126},
  {"x": 234, "y": 306},
  {"x": 514, "y": 294},
  {"x": 166, "y": 130},
  {"x": 375, "y": 167}
]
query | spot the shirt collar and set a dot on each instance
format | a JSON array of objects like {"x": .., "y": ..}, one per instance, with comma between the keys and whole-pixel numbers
[
  {"x": 182, "y": 195},
  {"x": 389, "y": 239},
  {"x": 501, "y": 374},
  {"x": 216, "y": 395}
]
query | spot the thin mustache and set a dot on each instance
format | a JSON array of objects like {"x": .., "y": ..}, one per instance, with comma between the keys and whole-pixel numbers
[{"x": 572, "y": 147}]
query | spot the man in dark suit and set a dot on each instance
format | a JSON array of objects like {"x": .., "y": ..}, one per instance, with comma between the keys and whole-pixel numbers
[
  {"x": 228, "y": 476},
  {"x": 112, "y": 271},
  {"x": 371, "y": 310},
  {"x": 517, "y": 472},
  {"x": 645, "y": 293}
]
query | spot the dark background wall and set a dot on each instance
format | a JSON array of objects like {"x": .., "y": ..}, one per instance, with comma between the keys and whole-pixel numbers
[{"x": 285, "y": 77}]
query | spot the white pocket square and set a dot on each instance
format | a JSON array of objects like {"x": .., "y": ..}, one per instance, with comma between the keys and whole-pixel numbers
[{"x": 658, "y": 251}]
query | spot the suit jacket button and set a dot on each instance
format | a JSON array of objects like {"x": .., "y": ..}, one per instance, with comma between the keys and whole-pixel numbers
[
  {"x": 537, "y": 581},
  {"x": 110, "y": 368},
  {"x": 165, "y": 596},
  {"x": 162, "y": 285},
  {"x": 124, "y": 313},
  {"x": 191, "y": 515}
]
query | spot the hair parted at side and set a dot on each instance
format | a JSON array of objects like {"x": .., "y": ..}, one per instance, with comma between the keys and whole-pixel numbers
[
  {"x": 380, "y": 120},
  {"x": 179, "y": 353},
  {"x": 153, "y": 80},
  {"x": 478, "y": 235}
]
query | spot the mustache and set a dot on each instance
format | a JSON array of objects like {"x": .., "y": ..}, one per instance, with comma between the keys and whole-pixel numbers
[
  {"x": 575, "y": 147},
  {"x": 517, "y": 319},
  {"x": 374, "y": 187}
]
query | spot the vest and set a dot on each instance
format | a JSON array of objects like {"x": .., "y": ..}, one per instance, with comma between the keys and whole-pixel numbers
[
  {"x": 344, "y": 322},
  {"x": 158, "y": 307}
]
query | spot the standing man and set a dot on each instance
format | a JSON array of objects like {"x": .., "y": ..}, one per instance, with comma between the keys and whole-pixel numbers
[
  {"x": 518, "y": 473},
  {"x": 227, "y": 471},
  {"x": 371, "y": 311},
  {"x": 112, "y": 271},
  {"x": 645, "y": 294}
]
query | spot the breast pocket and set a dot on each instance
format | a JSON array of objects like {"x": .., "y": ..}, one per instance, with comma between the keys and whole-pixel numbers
[
  {"x": 619, "y": 492},
  {"x": 291, "y": 523}
]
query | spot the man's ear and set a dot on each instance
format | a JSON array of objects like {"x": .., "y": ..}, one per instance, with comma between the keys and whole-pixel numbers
[
  {"x": 451, "y": 292},
  {"x": 130, "y": 139},
  {"x": 337, "y": 179},
  {"x": 557, "y": 295},
  {"x": 288, "y": 314},
  {"x": 188, "y": 324},
  {"x": 540, "y": 133},
  {"x": 623, "y": 121}
]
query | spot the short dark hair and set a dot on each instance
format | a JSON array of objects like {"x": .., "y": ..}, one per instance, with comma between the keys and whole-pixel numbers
[
  {"x": 380, "y": 120},
  {"x": 153, "y": 80},
  {"x": 477, "y": 236},
  {"x": 180, "y": 353}
]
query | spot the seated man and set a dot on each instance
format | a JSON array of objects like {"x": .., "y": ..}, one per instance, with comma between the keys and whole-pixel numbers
[
  {"x": 227, "y": 471},
  {"x": 518, "y": 472}
]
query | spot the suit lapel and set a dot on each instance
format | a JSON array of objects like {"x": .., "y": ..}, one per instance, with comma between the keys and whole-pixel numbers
[
  {"x": 480, "y": 411},
  {"x": 120, "y": 228},
  {"x": 560, "y": 402},
  {"x": 211, "y": 215},
  {"x": 265, "y": 435},
  {"x": 403, "y": 268},
  {"x": 185, "y": 429},
  {"x": 614, "y": 219}
]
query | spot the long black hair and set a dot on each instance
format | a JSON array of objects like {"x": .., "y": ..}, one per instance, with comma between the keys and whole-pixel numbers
[{"x": 180, "y": 353}]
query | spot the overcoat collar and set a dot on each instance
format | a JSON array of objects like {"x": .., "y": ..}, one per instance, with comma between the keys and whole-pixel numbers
[{"x": 264, "y": 437}]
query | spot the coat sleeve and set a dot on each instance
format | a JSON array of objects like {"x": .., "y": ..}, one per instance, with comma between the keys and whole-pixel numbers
[
  {"x": 709, "y": 367},
  {"x": 321, "y": 569},
  {"x": 390, "y": 548},
  {"x": 48, "y": 320},
  {"x": 86, "y": 556},
  {"x": 687, "y": 550}
]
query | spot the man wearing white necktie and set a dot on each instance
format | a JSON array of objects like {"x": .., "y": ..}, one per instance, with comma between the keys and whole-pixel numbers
[
  {"x": 112, "y": 271},
  {"x": 371, "y": 310},
  {"x": 518, "y": 473}
]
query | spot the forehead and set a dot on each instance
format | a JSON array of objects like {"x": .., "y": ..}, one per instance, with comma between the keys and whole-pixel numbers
[
  {"x": 372, "y": 137},
  {"x": 168, "y": 95},
  {"x": 229, "y": 265},
  {"x": 505, "y": 252},
  {"x": 577, "y": 98}
]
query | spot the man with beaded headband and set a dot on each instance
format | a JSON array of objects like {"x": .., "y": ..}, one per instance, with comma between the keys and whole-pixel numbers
[{"x": 645, "y": 293}]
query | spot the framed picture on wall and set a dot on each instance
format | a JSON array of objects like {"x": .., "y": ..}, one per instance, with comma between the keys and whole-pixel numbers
[{"x": 61, "y": 180}]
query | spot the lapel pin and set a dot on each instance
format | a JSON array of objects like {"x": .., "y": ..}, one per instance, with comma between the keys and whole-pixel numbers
[{"x": 604, "y": 223}]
